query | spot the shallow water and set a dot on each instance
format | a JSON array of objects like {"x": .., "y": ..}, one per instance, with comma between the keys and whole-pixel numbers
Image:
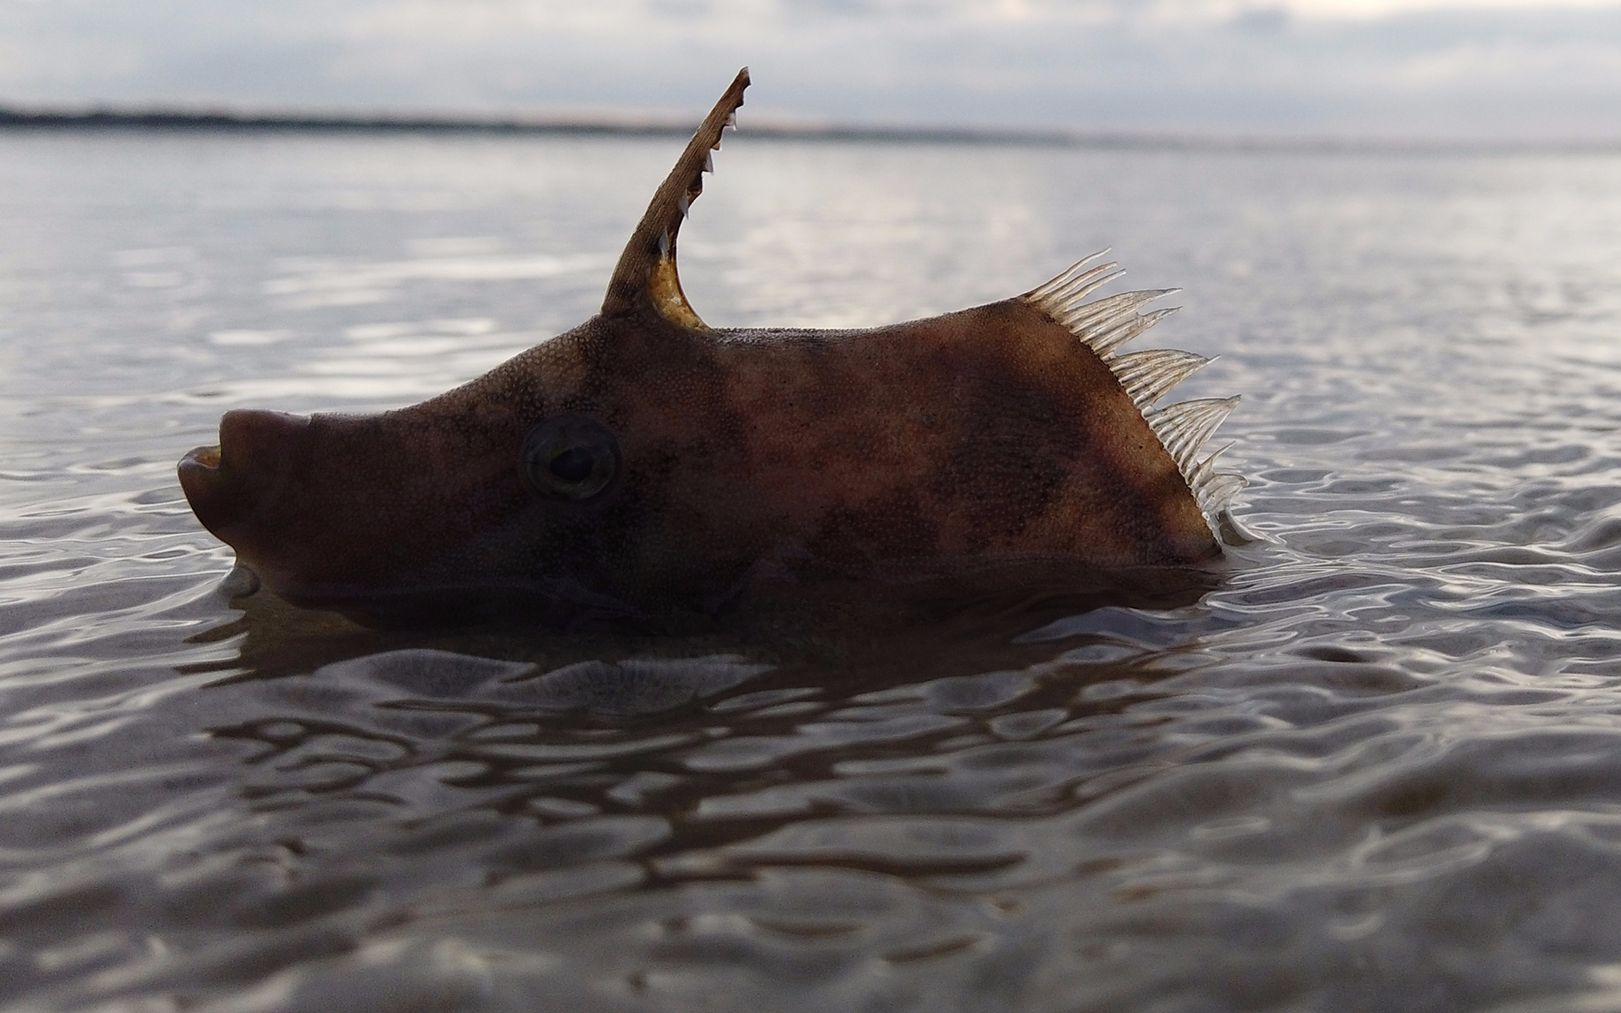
[{"x": 1378, "y": 766}]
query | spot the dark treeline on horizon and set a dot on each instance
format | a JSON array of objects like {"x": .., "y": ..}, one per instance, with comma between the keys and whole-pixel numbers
[
  {"x": 160, "y": 119},
  {"x": 185, "y": 119}
]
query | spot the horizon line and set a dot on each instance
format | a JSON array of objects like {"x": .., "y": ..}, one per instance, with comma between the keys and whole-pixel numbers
[{"x": 157, "y": 117}]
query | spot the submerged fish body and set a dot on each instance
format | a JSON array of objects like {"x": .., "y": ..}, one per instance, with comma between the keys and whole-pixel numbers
[{"x": 645, "y": 460}]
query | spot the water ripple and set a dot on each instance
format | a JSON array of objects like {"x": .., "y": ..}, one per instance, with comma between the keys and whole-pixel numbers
[{"x": 1374, "y": 767}]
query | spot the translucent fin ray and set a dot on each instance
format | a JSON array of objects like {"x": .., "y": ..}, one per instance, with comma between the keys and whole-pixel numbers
[
  {"x": 1201, "y": 473},
  {"x": 1104, "y": 325},
  {"x": 1184, "y": 427},
  {"x": 1216, "y": 494},
  {"x": 1148, "y": 376},
  {"x": 1068, "y": 275}
]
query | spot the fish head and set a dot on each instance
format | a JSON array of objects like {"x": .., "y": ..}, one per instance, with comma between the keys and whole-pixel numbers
[
  {"x": 592, "y": 474},
  {"x": 485, "y": 487}
]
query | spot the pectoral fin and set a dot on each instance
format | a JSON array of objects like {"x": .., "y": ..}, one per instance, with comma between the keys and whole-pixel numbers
[{"x": 646, "y": 276}]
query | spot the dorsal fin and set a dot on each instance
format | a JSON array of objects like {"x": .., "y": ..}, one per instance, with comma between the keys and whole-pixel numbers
[
  {"x": 646, "y": 275},
  {"x": 1106, "y": 324}
]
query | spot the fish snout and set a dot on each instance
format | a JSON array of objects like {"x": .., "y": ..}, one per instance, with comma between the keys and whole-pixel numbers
[{"x": 227, "y": 483}]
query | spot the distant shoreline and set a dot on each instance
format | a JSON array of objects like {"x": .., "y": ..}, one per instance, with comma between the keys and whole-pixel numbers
[
  {"x": 184, "y": 119},
  {"x": 160, "y": 119}
]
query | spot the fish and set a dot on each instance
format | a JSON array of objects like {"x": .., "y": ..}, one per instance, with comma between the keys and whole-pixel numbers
[{"x": 645, "y": 461}]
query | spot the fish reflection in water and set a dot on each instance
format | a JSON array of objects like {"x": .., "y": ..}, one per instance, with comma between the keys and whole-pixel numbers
[
  {"x": 504, "y": 778},
  {"x": 817, "y": 624},
  {"x": 367, "y": 791}
]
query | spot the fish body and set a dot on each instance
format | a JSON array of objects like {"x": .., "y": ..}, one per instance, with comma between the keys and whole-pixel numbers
[{"x": 645, "y": 460}]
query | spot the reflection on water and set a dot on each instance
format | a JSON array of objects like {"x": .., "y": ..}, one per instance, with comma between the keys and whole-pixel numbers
[{"x": 1375, "y": 767}]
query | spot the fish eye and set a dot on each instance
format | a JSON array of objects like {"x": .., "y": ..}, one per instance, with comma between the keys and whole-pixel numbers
[{"x": 570, "y": 457}]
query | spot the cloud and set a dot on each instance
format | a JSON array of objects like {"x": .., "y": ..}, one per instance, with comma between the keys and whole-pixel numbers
[
  {"x": 1494, "y": 69},
  {"x": 1261, "y": 20}
]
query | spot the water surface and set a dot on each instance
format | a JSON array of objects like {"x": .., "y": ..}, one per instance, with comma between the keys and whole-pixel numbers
[{"x": 1378, "y": 766}]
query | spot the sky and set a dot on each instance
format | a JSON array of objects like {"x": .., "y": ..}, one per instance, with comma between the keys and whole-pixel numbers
[{"x": 1487, "y": 70}]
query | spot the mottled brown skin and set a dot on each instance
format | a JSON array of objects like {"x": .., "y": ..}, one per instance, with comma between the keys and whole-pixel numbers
[{"x": 984, "y": 435}]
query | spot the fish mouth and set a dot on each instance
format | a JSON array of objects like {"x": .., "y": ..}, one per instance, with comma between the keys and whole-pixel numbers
[
  {"x": 208, "y": 488},
  {"x": 226, "y": 483}
]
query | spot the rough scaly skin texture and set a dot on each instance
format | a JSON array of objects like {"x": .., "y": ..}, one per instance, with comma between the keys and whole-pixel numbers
[{"x": 994, "y": 433}]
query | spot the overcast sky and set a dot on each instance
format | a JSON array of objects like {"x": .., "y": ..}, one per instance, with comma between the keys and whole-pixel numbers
[{"x": 1479, "y": 69}]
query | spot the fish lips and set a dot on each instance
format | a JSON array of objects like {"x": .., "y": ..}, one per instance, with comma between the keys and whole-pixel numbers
[{"x": 230, "y": 484}]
